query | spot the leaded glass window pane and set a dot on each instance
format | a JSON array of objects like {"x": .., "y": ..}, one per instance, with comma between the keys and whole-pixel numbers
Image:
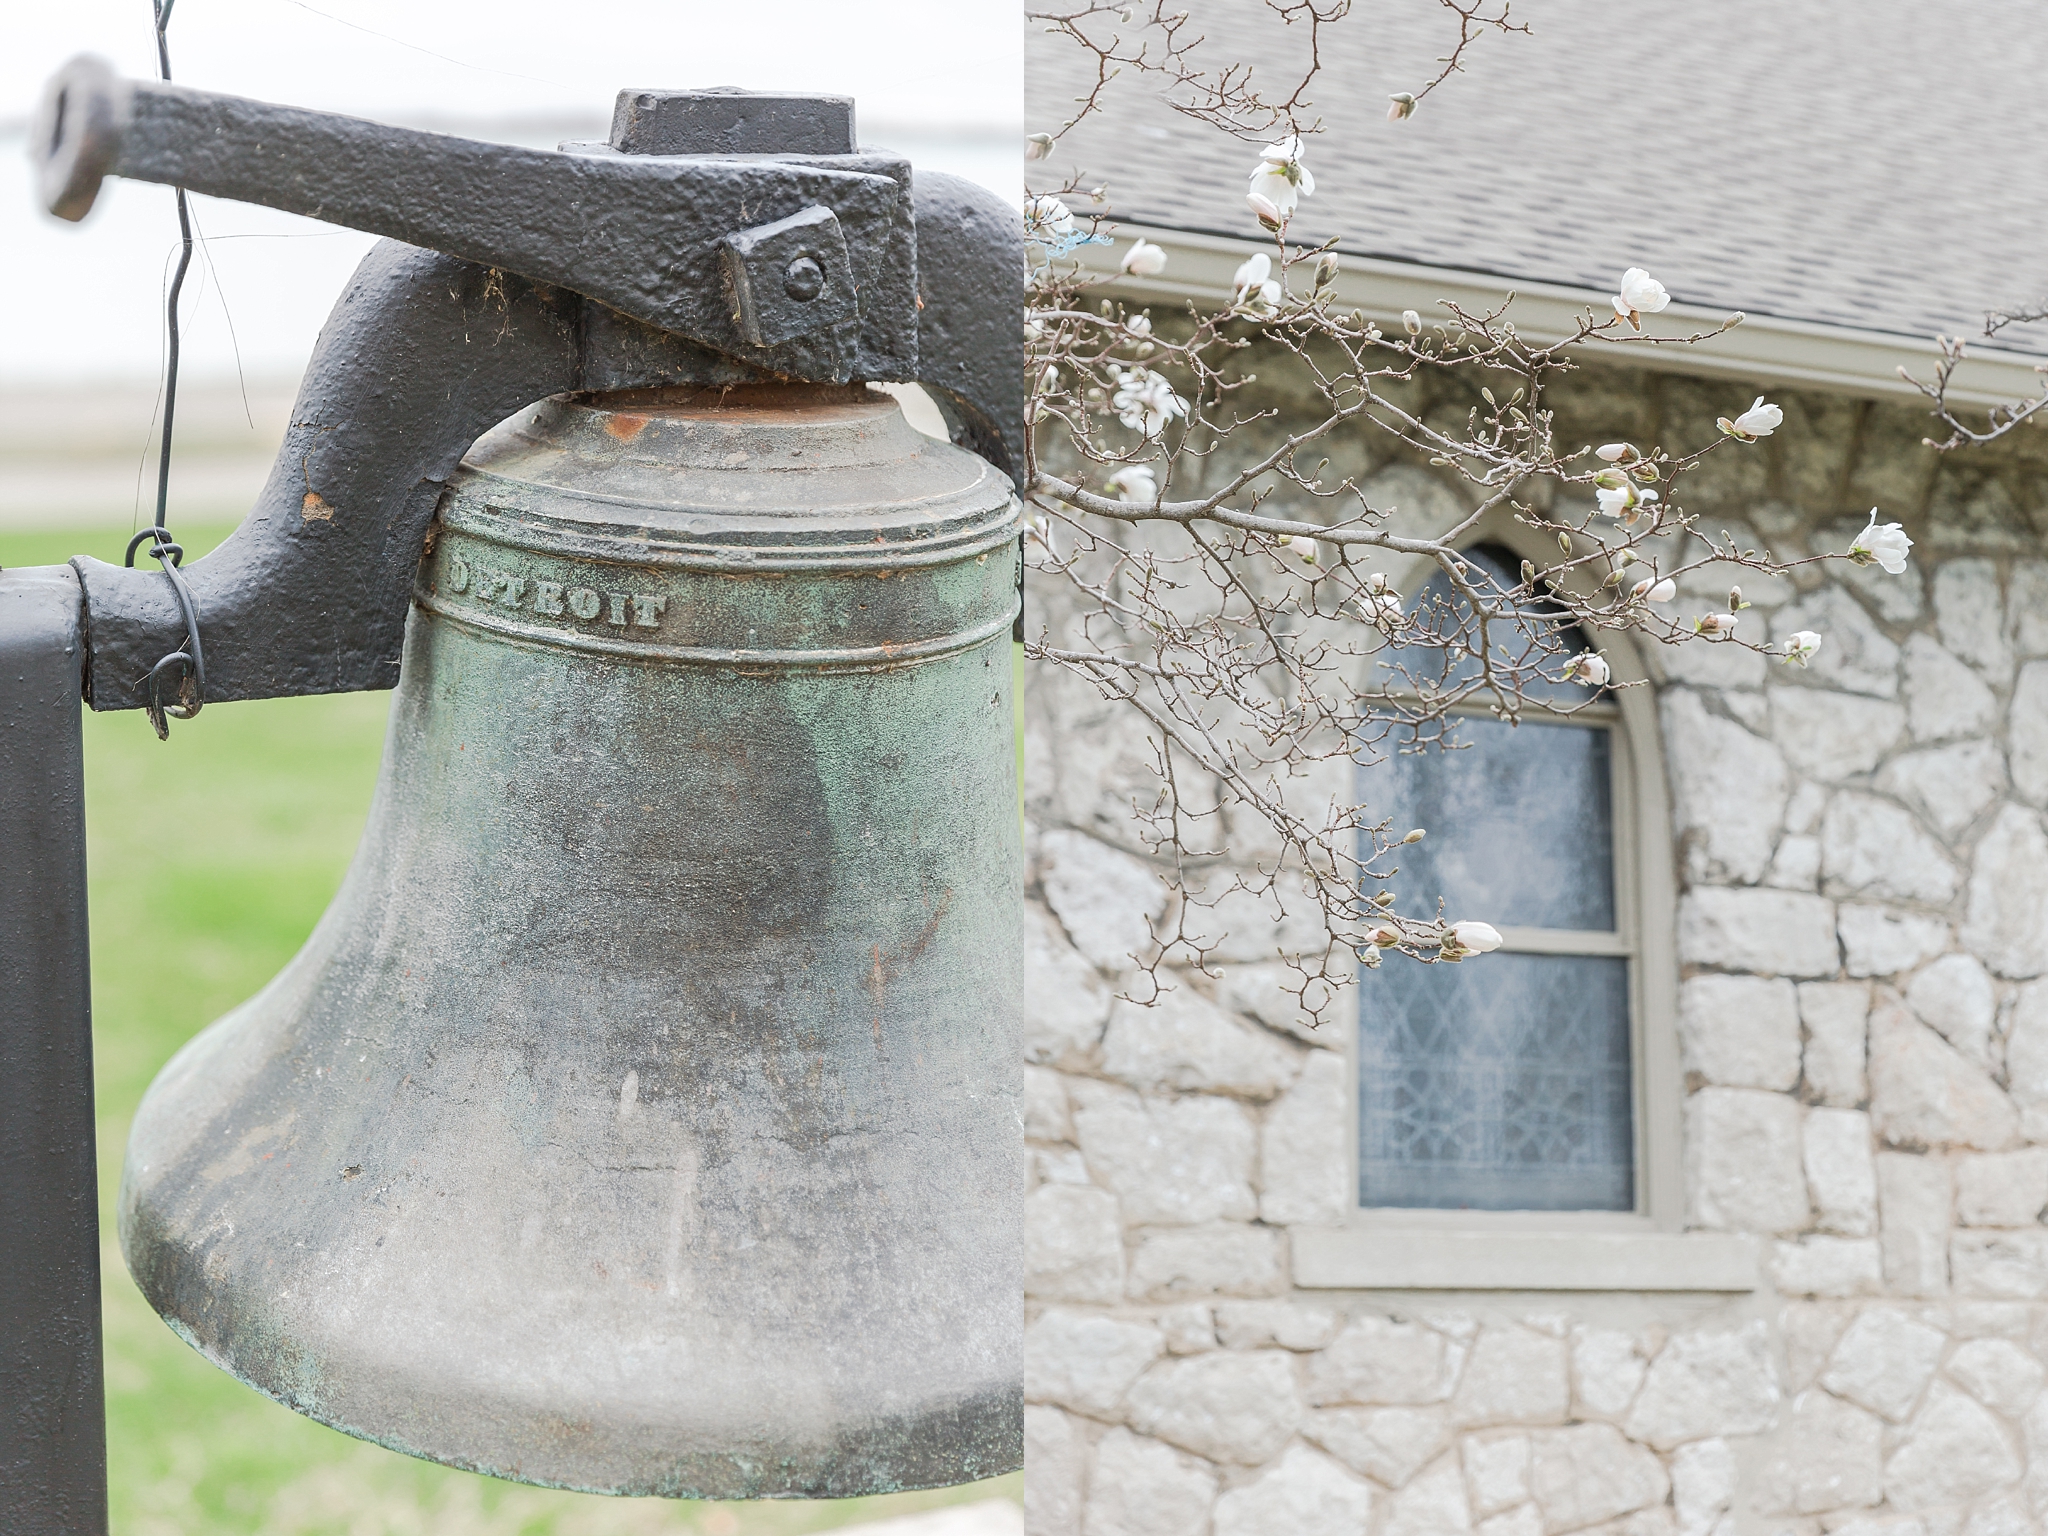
[
  {"x": 1502, "y": 1082},
  {"x": 1497, "y": 1084},
  {"x": 1520, "y": 824}
]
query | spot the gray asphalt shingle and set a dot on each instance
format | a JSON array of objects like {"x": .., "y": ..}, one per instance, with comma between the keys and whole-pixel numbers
[{"x": 1871, "y": 163}]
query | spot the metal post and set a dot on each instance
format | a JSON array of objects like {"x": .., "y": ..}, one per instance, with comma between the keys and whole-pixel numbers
[{"x": 53, "y": 1432}]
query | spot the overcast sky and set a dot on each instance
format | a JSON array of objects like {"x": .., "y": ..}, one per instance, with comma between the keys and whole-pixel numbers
[{"x": 940, "y": 80}]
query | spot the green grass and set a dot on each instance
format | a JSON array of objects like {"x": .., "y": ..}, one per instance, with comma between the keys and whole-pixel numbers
[{"x": 211, "y": 856}]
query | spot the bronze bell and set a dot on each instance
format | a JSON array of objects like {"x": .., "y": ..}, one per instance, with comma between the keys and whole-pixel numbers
[{"x": 643, "y": 1115}]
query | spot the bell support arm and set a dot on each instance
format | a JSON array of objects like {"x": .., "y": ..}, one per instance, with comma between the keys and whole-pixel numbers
[
  {"x": 648, "y": 235},
  {"x": 685, "y": 251},
  {"x": 970, "y": 275}
]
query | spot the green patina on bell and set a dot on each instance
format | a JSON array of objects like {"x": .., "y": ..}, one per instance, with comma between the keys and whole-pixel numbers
[{"x": 642, "y": 1116}]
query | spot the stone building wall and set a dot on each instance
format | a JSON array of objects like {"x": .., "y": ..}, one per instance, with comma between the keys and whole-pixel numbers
[{"x": 1863, "y": 1015}]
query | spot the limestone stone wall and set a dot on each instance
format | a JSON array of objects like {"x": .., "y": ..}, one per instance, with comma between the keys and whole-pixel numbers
[{"x": 1863, "y": 1016}]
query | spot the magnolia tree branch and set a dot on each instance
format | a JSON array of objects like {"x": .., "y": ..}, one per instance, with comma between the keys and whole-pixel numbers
[
  {"x": 1999, "y": 419},
  {"x": 1198, "y": 564}
]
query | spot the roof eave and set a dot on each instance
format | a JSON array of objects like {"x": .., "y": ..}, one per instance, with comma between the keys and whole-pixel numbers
[{"x": 1765, "y": 349}]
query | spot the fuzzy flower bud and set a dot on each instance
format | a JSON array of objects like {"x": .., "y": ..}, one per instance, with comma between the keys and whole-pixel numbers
[
  {"x": 1469, "y": 938},
  {"x": 1037, "y": 146},
  {"x": 1302, "y": 547},
  {"x": 1616, "y": 453},
  {"x": 1400, "y": 105},
  {"x": 1715, "y": 626}
]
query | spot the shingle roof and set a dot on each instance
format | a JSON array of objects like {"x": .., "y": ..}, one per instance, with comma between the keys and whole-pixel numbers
[{"x": 1881, "y": 164}]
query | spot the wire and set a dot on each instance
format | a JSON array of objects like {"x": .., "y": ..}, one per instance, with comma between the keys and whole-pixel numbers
[{"x": 189, "y": 663}]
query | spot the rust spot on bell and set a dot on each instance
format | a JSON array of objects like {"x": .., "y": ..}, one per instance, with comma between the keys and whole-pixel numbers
[{"x": 316, "y": 508}]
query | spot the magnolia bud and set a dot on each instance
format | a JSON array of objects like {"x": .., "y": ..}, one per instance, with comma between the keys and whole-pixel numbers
[
  {"x": 1037, "y": 146},
  {"x": 1564, "y": 542},
  {"x": 1326, "y": 270},
  {"x": 1386, "y": 938},
  {"x": 1735, "y": 603},
  {"x": 1616, "y": 453},
  {"x": 1646, "y": 470},
  {"x": 1383, "y": 899},
  {"x": 1412, "y": 321},
  {"x": 1416, "y": 836},
  {"x": 1528, "y": 573},
  {"x": 1399, "y": 105}
]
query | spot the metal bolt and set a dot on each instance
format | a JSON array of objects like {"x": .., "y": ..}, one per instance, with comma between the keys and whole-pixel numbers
[{"x": 803, "y": 279}]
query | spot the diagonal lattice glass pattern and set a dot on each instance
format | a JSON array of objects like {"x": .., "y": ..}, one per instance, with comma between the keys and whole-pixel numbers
[{"x": 1497, "y": 1084}]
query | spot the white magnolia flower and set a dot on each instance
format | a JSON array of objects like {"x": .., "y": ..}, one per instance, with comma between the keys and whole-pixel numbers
[
  {"x": 1886, "y": 546},
  {"x": 1263, "y": 299},
  {"x": 1047, "y": 216},
  {"x": 1399, "y": 105},
  {"x": 1145, "y": 402},
  {"x": 1760, "y": 420},
  {"x": 1623, "y": 499},
  {"x": 1590, "y": 668},
  {"x": 1139, "y": 326},
  {"x": 1616, "y": 453},
  {"x": 1267, "y": 211},
  {"x": 1800, "y": 646},
  {"x": 1252, "y": 271},
  {"x": 1382, "y": 610},
  {"x": 1280, "y": 178},
  {"x": 1470, "y": 938},
  {"x": 1641, "y": 294},
  {"x": 1037, "y": 146},
  {"x": 1144, "y": 259},
  {"x": 1135, "y": 484},
  {"x": 1651, "y": 590},
  {"x": 1302, "y": 547},
  {"x": 1715, "y": 626}
]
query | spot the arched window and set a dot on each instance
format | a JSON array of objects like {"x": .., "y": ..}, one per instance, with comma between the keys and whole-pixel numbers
[{"x": 1507, "y": 1081}]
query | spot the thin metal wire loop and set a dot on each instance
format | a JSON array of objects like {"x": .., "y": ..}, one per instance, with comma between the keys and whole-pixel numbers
[{"x": 190, "y": 663}]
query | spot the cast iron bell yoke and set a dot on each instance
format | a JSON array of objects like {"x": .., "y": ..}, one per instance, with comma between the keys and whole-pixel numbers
[{"x": 642, "y": 1116}]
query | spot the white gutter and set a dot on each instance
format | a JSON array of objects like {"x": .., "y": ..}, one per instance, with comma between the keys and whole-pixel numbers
[{"x": 1764, "y": 349}]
